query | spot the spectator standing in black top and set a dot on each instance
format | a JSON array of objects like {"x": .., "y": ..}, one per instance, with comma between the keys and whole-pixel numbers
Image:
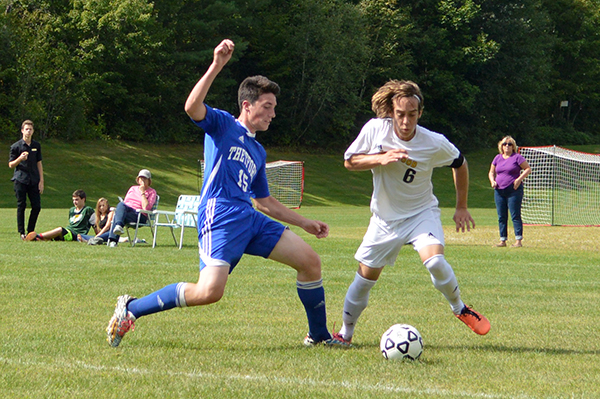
[{"x": 26, "y": 159}]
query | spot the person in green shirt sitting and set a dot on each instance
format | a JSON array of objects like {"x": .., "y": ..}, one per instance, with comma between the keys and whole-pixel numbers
[{"x": 79, "y": 222}]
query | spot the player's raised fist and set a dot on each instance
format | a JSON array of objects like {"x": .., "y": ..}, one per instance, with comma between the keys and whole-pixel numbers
[{"x": 224, "y": 51}]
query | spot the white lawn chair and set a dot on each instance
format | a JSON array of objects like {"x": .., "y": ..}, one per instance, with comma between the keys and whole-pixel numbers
[{"x": 185, "y": 215}]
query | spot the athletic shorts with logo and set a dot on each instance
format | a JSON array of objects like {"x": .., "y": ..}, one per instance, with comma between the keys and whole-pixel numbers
[
  {"x": 227, "y": 231},
  {"x": 383, "y": 240}
]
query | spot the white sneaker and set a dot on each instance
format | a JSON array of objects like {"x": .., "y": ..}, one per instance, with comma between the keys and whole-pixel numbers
[
  {"x": 95, "y": 241},
  {"x": 121, "y": 322},
  {"x": 118, "y": 230}
]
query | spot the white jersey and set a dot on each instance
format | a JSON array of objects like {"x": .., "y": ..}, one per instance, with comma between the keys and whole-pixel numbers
[{"x": 402, "y": 189}]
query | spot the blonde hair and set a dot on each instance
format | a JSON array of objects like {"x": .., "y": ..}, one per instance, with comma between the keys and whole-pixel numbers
[
  {"x": 100, "y": 201},
  {"x": 382, "y": 102},
  {"x": 510, "y": 140}
]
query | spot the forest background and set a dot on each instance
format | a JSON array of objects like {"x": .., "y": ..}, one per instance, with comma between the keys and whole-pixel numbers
[{"x": 122, "y": 69}]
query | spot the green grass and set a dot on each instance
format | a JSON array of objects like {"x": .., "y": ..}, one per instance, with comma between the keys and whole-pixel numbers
[
  {"x": 108, "y": 169},
  {"x": 58, "y": 297}
]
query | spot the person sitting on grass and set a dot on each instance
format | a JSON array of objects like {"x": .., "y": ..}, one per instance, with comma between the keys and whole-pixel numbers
[
  {"x": 102, "y": 224},
  {"x": 141, "y": 196},
  {"x": 79, "y": 222}
]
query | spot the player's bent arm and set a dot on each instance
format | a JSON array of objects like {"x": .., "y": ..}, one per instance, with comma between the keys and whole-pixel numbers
[
  {"x": 270, "y": 206},
  {"x": 461, "y": 183},
  {"x": 359, "y": 162},
  {"x": 194, "y": 105},
  {"x": 462, "y": 217}
]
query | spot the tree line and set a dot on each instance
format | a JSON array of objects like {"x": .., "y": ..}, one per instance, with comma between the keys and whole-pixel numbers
[{"x": 122, "y": 69}]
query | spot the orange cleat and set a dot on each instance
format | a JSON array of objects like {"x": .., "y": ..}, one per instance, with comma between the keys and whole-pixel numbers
[
  {"x": 474, "y": 320},
  {"x": 32, "y": 236}
]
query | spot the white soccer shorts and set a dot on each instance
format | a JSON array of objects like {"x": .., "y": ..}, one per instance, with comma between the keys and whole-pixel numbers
[{"x": 383, "y": 240}]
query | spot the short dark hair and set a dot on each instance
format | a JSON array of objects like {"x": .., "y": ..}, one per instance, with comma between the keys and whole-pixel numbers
[
  {"x": 79, "y": 193},
  {"x": 253, "y": 87}
]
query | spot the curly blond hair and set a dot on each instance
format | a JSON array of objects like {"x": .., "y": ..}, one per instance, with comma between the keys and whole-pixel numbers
[{"x": 382, "y": 102}]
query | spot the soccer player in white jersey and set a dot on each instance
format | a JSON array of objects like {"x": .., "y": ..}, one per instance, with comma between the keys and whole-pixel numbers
[
  {"x": 402, "y": 155},
  {"x": 228, "y": 225}
]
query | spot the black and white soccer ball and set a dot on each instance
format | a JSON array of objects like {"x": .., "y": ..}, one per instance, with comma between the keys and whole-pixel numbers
[{"x": 401, "y": 341}]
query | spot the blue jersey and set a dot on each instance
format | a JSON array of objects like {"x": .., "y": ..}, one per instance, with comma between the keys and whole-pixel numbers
[
  {"x": 234, "y": 162},
  {"x": 234, "y": 172}
]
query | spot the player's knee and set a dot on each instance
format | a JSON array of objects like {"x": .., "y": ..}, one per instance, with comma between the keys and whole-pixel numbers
[
  {"x": 198, "y": 296},
  {"x": 439, "y": 268},
  {"x": 213, "y": 296},
  {"x": 314, "y": 261},
  {"x": 311, "y": 265}
]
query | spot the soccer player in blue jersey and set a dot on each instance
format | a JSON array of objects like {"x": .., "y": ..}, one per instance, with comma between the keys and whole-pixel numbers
[{"x": 228, "y": 225}]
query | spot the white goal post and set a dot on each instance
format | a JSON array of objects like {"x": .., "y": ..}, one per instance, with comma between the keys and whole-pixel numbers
[
  {"x": 563, "y": 187},
  {"x": 286, "y": 181}
]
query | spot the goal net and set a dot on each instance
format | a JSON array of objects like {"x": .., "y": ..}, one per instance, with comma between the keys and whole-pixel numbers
[
  {"x": 286, "y": 181},
  {"x": 563, "y": 187}
]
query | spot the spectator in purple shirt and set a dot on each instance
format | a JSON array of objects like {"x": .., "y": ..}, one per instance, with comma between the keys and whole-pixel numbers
[{"x": 507, "y": 173}]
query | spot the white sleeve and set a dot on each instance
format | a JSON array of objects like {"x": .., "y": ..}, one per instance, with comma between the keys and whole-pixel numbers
[
  {"x": 363, "y": 144},
  {"x": 447, "y": 153}
]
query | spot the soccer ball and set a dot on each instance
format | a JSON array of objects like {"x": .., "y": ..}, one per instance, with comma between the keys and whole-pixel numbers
[{"x": 401, "y": 341}]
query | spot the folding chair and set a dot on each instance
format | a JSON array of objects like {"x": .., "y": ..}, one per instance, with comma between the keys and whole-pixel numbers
[
  {"x": 185, "y": 215},
  {"x": 150, "y": 218}
]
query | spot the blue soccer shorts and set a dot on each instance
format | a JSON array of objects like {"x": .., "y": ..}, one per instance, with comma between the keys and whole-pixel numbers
[{"x": 226, "y": 232}]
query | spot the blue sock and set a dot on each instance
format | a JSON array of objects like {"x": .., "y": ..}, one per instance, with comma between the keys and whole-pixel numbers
[
  {"x": 312, "y": 296},
  {"x": 164, "y": 299}
]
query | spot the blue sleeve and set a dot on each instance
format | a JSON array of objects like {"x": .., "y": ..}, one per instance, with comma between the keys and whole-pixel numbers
[
  {"x": 260, "y": 185},
  {"x": 215, "y": 122}
]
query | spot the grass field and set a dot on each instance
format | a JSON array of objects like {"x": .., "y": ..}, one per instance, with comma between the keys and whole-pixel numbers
[{"x": 57, "y": 298}]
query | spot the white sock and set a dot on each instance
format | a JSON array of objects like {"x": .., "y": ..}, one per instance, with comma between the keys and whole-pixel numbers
[
  {"x": 181, "y": 295},
  {"x": 356, "y": 301},
  {"x": 444, "y": 280}
]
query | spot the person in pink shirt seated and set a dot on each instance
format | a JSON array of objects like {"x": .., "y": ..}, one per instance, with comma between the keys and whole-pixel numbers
[{"x": 141, "y": 196}]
